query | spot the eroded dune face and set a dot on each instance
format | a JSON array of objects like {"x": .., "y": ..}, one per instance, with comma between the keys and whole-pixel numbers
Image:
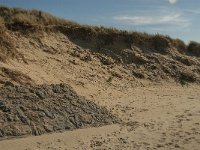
[
  {"x": 46, "y": 49},
  {"x": 54, "y": 57}
]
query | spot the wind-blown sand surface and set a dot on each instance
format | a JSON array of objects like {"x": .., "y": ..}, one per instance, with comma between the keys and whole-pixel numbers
[{"x": 155, "y": 117}]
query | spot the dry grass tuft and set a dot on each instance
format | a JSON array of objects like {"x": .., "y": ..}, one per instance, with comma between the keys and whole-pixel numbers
[
  {"x": 180, "y": 45},
  {"x": 18, "y": 15}
]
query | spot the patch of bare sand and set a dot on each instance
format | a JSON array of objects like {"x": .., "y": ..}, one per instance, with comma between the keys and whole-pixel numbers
[{"x": 155, "y": 117}]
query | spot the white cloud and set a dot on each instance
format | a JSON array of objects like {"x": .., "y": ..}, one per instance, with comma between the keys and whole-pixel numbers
[
  {"x": 173, "y": 19},
  {"x": 172, "y": 1},
  {"x": 193, "y": 11}
]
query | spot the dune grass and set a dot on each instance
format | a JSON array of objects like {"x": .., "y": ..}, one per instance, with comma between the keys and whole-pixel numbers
[{"x": 21, "y": 19}]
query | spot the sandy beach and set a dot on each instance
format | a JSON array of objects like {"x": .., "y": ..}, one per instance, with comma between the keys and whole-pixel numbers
[{"x": 155, "y": 117}]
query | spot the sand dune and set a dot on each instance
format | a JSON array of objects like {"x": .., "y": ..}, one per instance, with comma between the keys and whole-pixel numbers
[{"x": 148, "y": 82}]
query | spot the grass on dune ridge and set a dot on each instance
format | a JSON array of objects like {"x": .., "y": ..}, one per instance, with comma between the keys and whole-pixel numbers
[{"x": 21, "y": 19}]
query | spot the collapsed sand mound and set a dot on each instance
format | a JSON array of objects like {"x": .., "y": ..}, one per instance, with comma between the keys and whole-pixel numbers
[{"x": 34, "y": 110}]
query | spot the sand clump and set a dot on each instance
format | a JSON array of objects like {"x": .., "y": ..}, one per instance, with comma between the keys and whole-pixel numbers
[{"x": 34, "y": 110}]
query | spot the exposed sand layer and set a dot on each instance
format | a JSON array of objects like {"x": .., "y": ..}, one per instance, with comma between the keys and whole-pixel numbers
[
  {"x": 53, "y": 57},
  {"x": 156, "y": 117}
]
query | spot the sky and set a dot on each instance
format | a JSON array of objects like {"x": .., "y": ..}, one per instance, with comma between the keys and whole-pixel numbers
[{"x": 176, "y": 18}]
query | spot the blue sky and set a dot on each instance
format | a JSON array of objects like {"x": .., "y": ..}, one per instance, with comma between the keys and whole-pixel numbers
[{"x": 177, "y": 18}]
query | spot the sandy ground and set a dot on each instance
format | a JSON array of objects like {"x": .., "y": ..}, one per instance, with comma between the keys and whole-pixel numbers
[{"x": 155, "y": 117}]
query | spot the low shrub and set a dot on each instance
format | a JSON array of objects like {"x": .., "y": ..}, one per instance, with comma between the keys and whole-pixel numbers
[
  {"x": 160, "y": 43},
  {"x": 194, "y": 48},
  {"x": 180, "y": 45}
]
